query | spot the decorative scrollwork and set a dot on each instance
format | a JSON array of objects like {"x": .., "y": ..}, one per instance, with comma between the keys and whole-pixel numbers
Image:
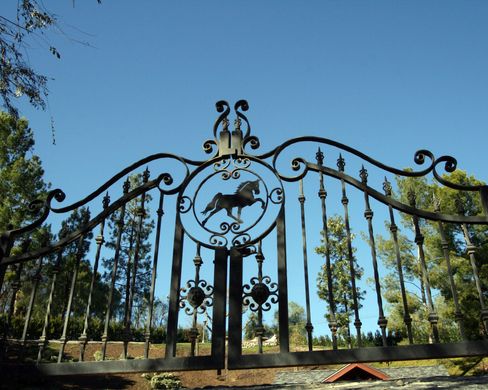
[
  {"x": 244, "y": 106},
  {"x": 234, "y": 174},
  {"x": 222, "y": 164},
  {"x": 196, "y": 297},
  {"x": 276, "y": 195},
  {"x": 209, "y": 145},
  {"x": 185, "y": 204},
  {"x": 257, "y": 293},
  {"x": 242, "y": 162},
  {"x": 218, "y": 240},
  {"x": 253, "y": 141},
  {"x": 297, "y": 164},
  {"x": 166, "y": 179},
  {"x": 241, "y": 239}
]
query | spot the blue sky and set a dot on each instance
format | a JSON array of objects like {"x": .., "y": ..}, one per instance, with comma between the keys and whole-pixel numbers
[{"x": 385, "y": 77}]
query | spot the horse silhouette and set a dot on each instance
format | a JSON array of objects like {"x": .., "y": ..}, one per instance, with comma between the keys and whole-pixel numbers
[{"x": 243, "y": 197}]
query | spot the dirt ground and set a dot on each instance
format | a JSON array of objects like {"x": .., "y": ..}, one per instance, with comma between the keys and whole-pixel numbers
[{"x": 17, "y": 378}]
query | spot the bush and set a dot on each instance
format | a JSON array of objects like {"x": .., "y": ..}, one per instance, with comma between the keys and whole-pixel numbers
[
  {"x": 97, "y": 356},
  {"x": 164, "y": 380}
]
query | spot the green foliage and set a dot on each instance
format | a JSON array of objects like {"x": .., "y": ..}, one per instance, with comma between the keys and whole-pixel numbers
[
  {"x": 98, "y": 356},
  {"x": 164, "y": 380},
  {"x": 127, "y": 254},
  {"x": 296, "y": 323},
  {"x": 251, "y": 326},
  {"x": 21, "y": 172},
  {"x": 451, "y": 202},
  {"x": 17, "y": 38},
  {"x": 341, "y": 277}
]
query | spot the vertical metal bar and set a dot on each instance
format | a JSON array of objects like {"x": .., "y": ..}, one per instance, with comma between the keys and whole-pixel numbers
[
  {"x": 445, "y": 250},
  {"x": 35, "y": 286},
  {"x": 219, "y": 308},
  {"x": 282, "y": 282},
  {"x": 235, "y": 307},
  {"x": 141, "y": 213},
  {"x": 471, "y": 252},
  {"x": 6, "y": 244},
  {"x": 197, "y": 261},
  {"x": 368, "y": 214},
  {"x": 345, "y": 201},
  {"x": 83, "y": 339},
  {"x": 419, "y": 240},
  {"x": 108, "y": 314},
  {"x": 308, "y": 326},
  {"x": 13, "y": 298},
  {"x": 260, "y": 327},
  {"x": 63, "y": 338},
  {"x": 147, "y": 334},
  {"x": 330, "y": 294},
  {"x": 127, "y": 291},
  {"x": 484, "y": 199},
  {"x": 174, "y": 297},
  {"x": 16, "y": 284},
  {"x": 394, "y": 233},
  {"x": 43, "y": 339}
]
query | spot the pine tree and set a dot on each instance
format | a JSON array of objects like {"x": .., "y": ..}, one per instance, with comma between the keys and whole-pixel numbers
[
  {"x": 130, "y": 233},
  {"x": 21, "y": 181},
  {"x": 451, "y": 202}
]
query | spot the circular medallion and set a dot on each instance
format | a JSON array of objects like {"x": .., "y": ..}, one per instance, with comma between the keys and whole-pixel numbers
[{"x": 230, "y": 202}]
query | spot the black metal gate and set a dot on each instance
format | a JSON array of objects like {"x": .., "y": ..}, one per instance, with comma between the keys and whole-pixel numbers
[{"x": 229, "y": 206}]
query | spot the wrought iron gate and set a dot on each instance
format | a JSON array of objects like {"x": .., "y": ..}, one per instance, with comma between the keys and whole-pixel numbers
[{"x": 228, "y": 206}]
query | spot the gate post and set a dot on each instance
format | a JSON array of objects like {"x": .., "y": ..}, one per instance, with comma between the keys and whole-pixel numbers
[
  {"x": 219, "y": 307},
  {"x": 235, "y": 308}
]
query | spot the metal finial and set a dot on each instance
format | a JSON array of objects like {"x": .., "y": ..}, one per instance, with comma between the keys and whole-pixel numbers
[
  {"x": 319, "y": 156},
  {"x": 145, "y": 175},
  {"x": 225, "y": 124},
  {"x": 363, "y": 173},
  {"x": 126, "y": 186},
  {"x": 387, "y": 187},
  {"x": 237, "y": 124},
  {"x": 106, "y": 200},
  {"x": 341, "y": 163}
]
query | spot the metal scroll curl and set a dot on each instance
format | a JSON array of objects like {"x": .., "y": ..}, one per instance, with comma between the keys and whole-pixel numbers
[
  {"x": 196, "y": 297},
  {"x": 257, "y": 293}
]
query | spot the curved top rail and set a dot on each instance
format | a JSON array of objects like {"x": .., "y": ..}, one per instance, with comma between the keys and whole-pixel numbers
[
  {"x": 88, "y": 227},
  {"x": 450, "y": 163}
]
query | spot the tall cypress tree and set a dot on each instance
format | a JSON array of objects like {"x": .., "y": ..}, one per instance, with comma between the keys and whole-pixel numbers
[{"x": 341, "y": 278}]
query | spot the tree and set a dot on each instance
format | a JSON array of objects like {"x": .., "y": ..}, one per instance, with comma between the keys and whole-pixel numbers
[
  {"x": 450, "y": 201},
  {"x": 252, "y": 324},
  {"x": 126, "y": 281},
  {"x": 341, "y": 277},
  {"x": 296, "y": 323},
  {"x": 21, "y": 172},
  {"x": 21, "y": 181},
  {"x": 17, "y": 78}
]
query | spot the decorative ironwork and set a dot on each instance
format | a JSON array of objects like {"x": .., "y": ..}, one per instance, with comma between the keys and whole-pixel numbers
[
  {"x": 230, "y": 203},
  {"x": 196, "y": 297},
  {"x": 257, "y": 293}
]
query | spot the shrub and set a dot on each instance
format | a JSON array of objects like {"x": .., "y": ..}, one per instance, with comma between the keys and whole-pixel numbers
[{"x": 165, "y": 380}]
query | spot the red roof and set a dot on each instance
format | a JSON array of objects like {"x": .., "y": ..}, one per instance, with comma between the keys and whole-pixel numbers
[{"x": 355, "y": 371}]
